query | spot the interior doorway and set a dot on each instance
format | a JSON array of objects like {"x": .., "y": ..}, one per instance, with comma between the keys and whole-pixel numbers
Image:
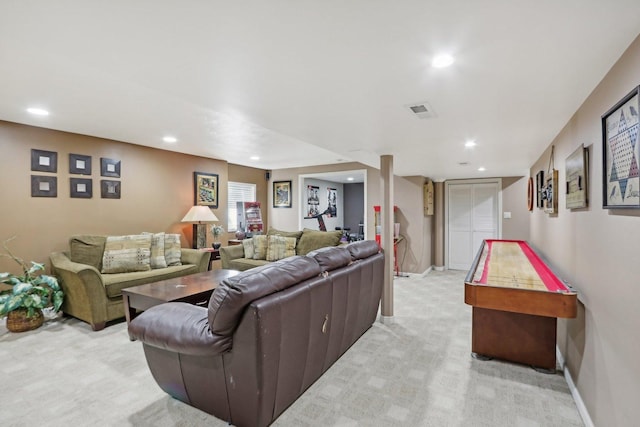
[{"x": 472, "y": 214}]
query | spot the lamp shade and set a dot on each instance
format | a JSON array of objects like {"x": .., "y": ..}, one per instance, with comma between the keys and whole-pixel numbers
[{"x": 199, "y": 215}]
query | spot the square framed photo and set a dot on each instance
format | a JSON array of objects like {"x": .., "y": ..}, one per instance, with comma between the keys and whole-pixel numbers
[
  {"x": 44, "y": 161},
  {"x": 81, "y": 188},
  {"x": 110, "y": 189},
  {"x": 44, "y": 186},
  {"x": 621, "y": 154},
  {"x": 282, "y": 194},
  {"x": 79, "y": 164},
  {"x": 205, "y": 189},
  {"x": 109, "y": 167}
]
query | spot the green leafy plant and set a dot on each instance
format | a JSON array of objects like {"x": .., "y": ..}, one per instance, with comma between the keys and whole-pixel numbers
[
  {"x": 32, "y": 290},
  {"x": 217, "y": 230}
]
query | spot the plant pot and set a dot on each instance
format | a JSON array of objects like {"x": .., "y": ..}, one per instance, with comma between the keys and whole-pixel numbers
[
  {"x": 17, "y": 320},
  {"x": 216, "y": 245}
]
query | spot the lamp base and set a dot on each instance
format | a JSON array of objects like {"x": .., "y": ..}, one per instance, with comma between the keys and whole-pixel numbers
[{"x": 199, "y": 236}]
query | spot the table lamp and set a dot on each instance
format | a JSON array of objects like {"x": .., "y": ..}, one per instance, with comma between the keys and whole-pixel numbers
[{"x": 200, "y": 216}]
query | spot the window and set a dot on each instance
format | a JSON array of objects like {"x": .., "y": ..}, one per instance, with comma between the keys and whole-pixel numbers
[{"x": 238, "y": 192}]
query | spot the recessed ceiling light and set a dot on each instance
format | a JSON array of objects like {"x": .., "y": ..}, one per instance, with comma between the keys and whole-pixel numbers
[
  {"x": 38, "y": 111},
  {"x": 350, "y": 178},
  {"x": 470, "y": 143},
  {"x": 254, "y": 158},
  {"x": 442, "y": 61},
  {"x": 481, "y": 169},
  {"x": 170, "y": 139}
]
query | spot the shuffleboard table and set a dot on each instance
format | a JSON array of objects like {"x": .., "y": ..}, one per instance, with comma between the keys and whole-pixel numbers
[{"x": 516, "y": 301}]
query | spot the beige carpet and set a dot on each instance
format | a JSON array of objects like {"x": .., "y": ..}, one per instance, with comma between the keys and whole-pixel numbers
[{"x": 416, "y": 372}]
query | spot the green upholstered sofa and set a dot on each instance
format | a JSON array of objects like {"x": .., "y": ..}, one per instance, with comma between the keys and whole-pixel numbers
[
  {"x": 235, "y": 258},
  {"x": 95, "y": 297}
]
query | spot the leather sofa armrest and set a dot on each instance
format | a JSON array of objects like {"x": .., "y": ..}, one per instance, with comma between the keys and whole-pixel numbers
[
  {"x": 229, "y": 253},
  {"x": 178, "y": 327},
  {"x": 196, "y": 257}
]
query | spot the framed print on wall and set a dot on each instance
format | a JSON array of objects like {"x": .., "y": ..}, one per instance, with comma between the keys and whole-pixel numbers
[
  {"x": 206, "y": 189},
  {"x": 621, "y": 153},
  {"x": 79, "y": 164},
  {"x": 576, "y": 178},
  {"x": 282, "y": 194},
  {"x": 109, "y": 167},
  {"x": 81, "y": 188},
  {"x": 44, "y": 161},
  {"x": 109, "y": 189},
  {"x": 44, "y": 186},
  {"x": 539, "y": 188}
]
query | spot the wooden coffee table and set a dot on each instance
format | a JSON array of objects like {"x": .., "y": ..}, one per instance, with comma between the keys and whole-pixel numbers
[{"x": 194, "y": 289}]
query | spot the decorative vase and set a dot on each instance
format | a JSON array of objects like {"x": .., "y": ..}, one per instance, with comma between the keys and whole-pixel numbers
[
  {"x": 17, "y": 320},
  {"x": 216, "y": 245},
  {"x": 240, "y": 235}
]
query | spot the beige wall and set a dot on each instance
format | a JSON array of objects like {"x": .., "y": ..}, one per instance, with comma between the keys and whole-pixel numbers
[
  {"x": 514, "y": 200},
  {"x": 239, "y": 173},
  {"x": 415, "y": 253},
  {"x": 596, "y": 250},
  {"x": 157, "y": 191}
]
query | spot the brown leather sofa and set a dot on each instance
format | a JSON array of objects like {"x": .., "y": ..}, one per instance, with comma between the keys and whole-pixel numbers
[{"x": 267, "y": 335}]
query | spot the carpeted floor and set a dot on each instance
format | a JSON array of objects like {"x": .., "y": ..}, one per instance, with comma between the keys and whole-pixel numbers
[{"x": 415, "y": 372}]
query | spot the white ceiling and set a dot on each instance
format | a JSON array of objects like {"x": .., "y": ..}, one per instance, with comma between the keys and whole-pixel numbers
[{"x": 302, "y": 83}]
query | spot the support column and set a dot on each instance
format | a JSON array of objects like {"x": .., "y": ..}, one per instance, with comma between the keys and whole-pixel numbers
[
  {"x": 386, "y": 184},
  {"x": 438, "y": 219}
]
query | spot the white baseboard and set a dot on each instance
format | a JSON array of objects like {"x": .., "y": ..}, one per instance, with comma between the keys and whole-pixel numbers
[
  {"x": 387, "y": 320},
  {"x": 439, "y": 268},
  {"x": 427, "y": 271},
  {"x": 582, "y": 409}
]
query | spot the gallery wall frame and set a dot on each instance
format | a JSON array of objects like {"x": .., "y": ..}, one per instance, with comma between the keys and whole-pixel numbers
[
  {"x": 205, "y": 189},
  {"x": 81, "y": 188},
  {"x": 530, "y": 195},
  {"x": 539, "y": 188},
  {"x": 576, "y": 170},
  {"x": 44, "y": 186},
  {"x": 282, "y": 194},
  {"x": 550, "y": 193},
  {"x": 44, "y": 161},
  {"x": 621, "y": 154},
  {"x": 79, "y": 164},
  {"x": 109, "y": 167},
  {"x": 110, "y": 189}
]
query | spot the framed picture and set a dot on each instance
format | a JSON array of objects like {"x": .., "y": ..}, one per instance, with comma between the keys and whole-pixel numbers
[
  {"x": 109, "y": 189},
  {"x": 576, "y": 178},
  {"x": 109, "y": 167},
  {"x": 550, "y": 193},
  {"x": 530, "y": 195},
  {"x": 79, "y": 164},
  {"x": 332, "y": 202},
  {"x": 621, "y": 153},
  {"x": 81, "y": 188},
  {"x": 44, "y": 186},
  {"x": 539, "y": 187},
  {"x": 313, "y": 201},
  {"x": 206, "y": 189},
  {"x": 281, "y": 194},
  {"x": 44, "y": 161}
]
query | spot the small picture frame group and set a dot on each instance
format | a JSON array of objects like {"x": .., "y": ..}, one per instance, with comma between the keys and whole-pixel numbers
[
  {"x": 81, "y": 188},
  {"x": 79, "y": 164}
]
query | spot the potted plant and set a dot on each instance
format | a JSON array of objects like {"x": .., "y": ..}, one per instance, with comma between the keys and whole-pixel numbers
[
  {"x": 29, "y": 294},
  {"x": 216, "y": 230}
]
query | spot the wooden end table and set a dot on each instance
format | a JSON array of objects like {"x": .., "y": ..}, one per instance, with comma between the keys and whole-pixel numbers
[{"x": 193, "y": 289}]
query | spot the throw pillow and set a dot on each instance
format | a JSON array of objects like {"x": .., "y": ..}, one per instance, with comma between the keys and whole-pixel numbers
[
  {"x": 123, "y": 254},
  {"x": 172, "y": 250},
  {"x": 280, "y": 247},
  {"x": 157, "y": 259},
  {"x": 87, "y": 250},
  {"x": 314, "y": 239},
  {"x": 248, "y": 248},
  {"x": 273, "y": 231},
  {"x": 260, "y": 246}
]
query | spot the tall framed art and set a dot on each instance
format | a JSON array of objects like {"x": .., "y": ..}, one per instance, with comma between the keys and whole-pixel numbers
[
  {"x": 206, "y": 189},
  {"x": 282, "y": 194},
  {"x": 621, "y": 153},
  {"x": 576, "y": 178}
]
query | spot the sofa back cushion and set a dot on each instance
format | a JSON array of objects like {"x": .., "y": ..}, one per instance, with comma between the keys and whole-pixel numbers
[
  {"x": 311, "y": 240},
  {"x": 247, "y": 245},
  {"x": 124, "y": 254},
  {"x": 234, "y": 294},
  {"x": 87, "y": 249},
  {"x": 157, "y": 259},
  {"x": 331, "y": 258},
  {"x": 362, "y": 249},
  {"x": 172, "y": 250},
  {"x": 260, "y": 244},
  {"x": 275, "y": 232},
  {"x": 279, "y": 247}
]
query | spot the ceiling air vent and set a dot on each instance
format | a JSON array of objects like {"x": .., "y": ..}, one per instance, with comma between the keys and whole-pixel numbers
[{"x": 421, "y": 110}]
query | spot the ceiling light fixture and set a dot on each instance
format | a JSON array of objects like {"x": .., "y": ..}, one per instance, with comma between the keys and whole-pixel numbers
[
  {"x": 38, "y": 111},
  {"x": 350, "y": 178},
  {"x": 470, "y": 143},
  {"x": 254, "y": 158},
  {"x": 481, "y": 169},
  {"x": 170, "y": 139},
  {"x": 442, "y": 61}
]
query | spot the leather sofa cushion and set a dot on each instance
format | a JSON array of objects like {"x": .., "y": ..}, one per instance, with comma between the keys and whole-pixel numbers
[
  {"x": 234, "y": 294},
  {"x": 363, "y": 249},
  {"x": 85, "y": 249},
  {"x": 332, "y": 257},
  {"x": 313, "y": 239}
]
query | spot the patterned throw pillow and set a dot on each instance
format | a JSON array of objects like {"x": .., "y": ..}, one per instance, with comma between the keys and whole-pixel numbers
[
  {"x": 157, "y": 259},
  {"x": 172, "y": 250},
  {"x": 248, "y": 248},
  {"x": 280, "y": 247},
  {"x": 124, "y": 254},
  {"x": 260, "y": 246}
]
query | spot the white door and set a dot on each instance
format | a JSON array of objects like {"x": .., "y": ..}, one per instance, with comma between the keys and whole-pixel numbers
[{"x": 473, "y": 214}]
